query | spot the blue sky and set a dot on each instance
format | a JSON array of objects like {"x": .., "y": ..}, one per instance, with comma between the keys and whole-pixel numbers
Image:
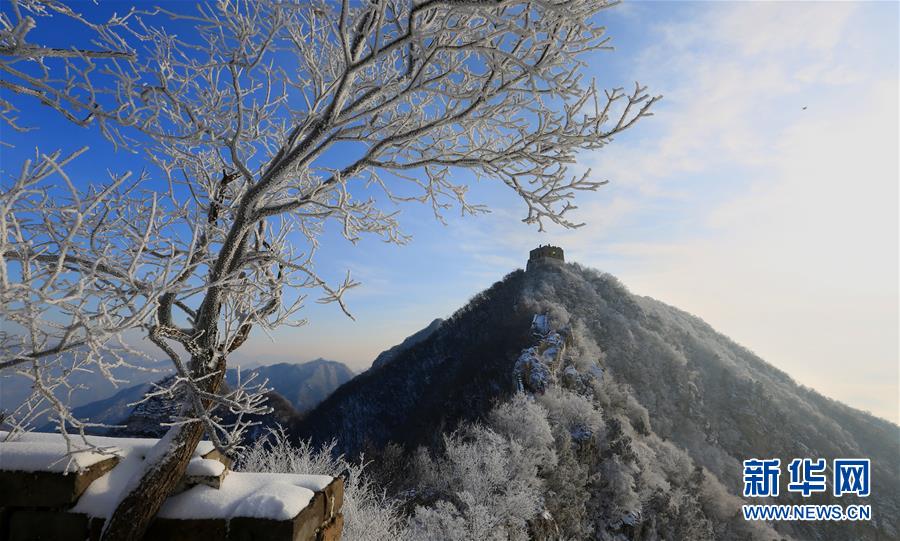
[{"x": 777, "y": 225}]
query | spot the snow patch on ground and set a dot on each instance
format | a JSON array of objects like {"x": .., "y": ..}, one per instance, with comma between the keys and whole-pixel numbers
[
  {"x": 531, "y": 372},
  {"x": 540, "y": 324}
]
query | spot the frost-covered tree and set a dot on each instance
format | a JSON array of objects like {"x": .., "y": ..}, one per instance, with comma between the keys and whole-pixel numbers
[
  {"x": 265, "y": 120},
  {"x": 484, "y": 483}
]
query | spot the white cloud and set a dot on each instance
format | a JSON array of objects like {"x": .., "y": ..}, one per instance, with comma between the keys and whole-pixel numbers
[
  {"x": 782, "y": 222},
  {"x": 755, "y": 30}
]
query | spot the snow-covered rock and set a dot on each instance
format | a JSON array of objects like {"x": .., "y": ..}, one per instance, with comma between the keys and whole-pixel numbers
[
  {"x": 531, "y": 372},
  {"x": 536, "y": 366}
]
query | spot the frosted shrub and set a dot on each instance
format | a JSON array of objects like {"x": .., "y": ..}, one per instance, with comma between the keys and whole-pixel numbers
[
  {"x": 443, "y": 521},
  {"x": 617, "y": 481},
  {"x": 572, "y": 412},
  {"x": 584, "y": 349},
  {"x": 486, "y": 485},
  {"x": 525, "y": 421},
  {"x": 368, "y": 514}
]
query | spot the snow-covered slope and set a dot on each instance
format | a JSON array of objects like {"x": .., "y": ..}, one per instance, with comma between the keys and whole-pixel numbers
[{"x": 668, "y": 387}]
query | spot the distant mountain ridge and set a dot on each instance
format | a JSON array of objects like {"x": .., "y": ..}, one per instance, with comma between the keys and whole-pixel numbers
[
  {"x": 304, "y": 385},
  {"x": 151, "y": 418},
  {"x": 296, "y": 388},
  {"x": 660, "y": 378},
  {"x": 86, "y": 386},
  {"x": 112, "y": 410}
]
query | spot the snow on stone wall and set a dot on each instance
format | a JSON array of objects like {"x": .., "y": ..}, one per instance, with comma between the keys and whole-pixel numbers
[{"x": 51, "y": 490}]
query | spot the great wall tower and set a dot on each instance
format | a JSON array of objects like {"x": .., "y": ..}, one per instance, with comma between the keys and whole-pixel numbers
[{"x": 545, "y": 254}]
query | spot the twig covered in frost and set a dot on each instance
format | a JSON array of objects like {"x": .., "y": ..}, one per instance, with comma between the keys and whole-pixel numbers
[{"x": 267, "y": 120}]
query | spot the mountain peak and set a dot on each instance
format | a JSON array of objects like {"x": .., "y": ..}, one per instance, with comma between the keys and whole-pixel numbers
[{"x": 664, "y": 383}]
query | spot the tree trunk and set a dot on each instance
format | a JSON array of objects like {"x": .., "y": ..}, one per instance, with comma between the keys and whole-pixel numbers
[{"x": 136, "y": 511}]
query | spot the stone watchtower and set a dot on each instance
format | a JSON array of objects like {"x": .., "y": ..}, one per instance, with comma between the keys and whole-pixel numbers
[{"x": 545, "y": 254}]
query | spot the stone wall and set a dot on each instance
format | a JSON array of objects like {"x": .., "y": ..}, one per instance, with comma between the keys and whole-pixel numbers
[{"x": 38, "y": 505}]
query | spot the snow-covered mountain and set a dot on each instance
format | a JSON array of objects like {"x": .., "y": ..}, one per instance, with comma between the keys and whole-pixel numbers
[{"x": 652, "y": 413}]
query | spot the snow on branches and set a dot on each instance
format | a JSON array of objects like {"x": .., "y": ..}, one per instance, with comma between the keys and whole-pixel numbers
[{"x": 262, "y": 123}]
